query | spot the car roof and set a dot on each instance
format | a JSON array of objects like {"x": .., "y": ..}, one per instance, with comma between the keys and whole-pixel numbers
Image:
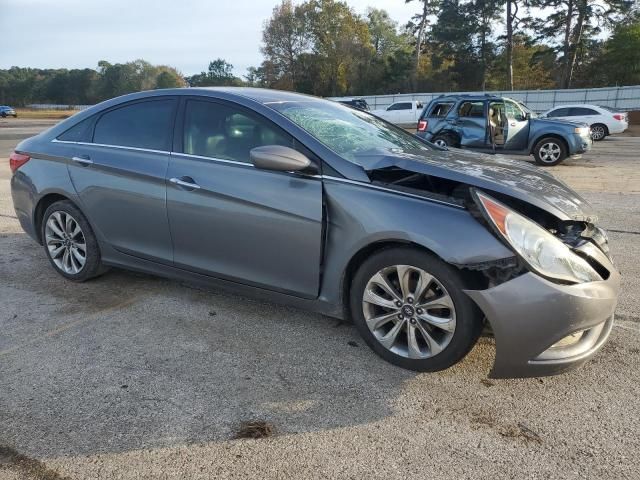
[
  {"x": 465, "y": 96},
  {"x": 576, "y": 105}
]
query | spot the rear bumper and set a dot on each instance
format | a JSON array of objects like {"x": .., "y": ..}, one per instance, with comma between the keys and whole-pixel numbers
[
  {"x": 530, "y": 315},
  {"x": 618, "y": 127}
]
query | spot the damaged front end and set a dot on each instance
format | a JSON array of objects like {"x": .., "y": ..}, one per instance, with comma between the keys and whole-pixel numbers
[{"x": 551, "y": 305}]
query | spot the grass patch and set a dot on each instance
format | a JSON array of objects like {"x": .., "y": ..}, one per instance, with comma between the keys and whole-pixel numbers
[
  {"x": 44, "y": 114},
  {"x": 255, "y": 429}
]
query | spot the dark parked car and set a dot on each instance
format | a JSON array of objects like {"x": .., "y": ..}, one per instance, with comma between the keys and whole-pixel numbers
[
  {"x": 322, "y": 206},
  {"x": 497, "y": 124},
  {"x": 6, "y": 111}
]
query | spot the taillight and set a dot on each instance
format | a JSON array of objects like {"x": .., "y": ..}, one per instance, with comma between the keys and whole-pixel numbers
[
  {"x": 16, "y": 160},
  {"x": 618, "y": 116},
  {"x": 422, "y": 125}
]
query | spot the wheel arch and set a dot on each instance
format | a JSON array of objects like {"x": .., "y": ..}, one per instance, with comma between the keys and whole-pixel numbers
[
  {"x": 606, "y": 127},
  {"x": 549, "y": 135},
  {"x": 448, "y": 132},
  {"x": 45, "y": 202},
  {"x": 372, "y": 248}
]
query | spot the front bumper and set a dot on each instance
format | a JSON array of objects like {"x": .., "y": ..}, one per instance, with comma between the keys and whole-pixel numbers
[
  {"x": 529, "y": 315},
  {"x": 579, "y": 144}
]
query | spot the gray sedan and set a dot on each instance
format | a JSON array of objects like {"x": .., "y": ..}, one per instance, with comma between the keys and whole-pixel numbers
[{"x": 308, "y": 202}]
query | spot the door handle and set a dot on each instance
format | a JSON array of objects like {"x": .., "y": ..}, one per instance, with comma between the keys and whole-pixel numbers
[
  {"x": 83, "y": 160},
  {"x": 186, "y": 182}
]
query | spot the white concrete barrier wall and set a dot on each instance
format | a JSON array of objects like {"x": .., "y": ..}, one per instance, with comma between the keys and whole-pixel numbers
[{"x": 622, "y": 98}]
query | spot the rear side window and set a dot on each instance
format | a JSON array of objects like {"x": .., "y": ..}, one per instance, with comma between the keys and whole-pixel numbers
[
  {"x": 79, "y": 132},
  {"x": 221, "y": 131},
  {"x": 441, "y": 109},
  {"x": 142, "y": 125},
  {"x": 401, "y": 106},
  {"x": 581, "y": 112},
  {"x": 471, "y": 109},
  {"x": 559, "y": 112}
]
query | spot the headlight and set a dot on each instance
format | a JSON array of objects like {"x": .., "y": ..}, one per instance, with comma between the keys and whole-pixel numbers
[
  {"x": 540, "y": 250},
  {"x": 583, "y": 131}
]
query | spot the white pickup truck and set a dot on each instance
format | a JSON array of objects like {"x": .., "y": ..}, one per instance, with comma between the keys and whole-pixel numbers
[{"x": 401, "y": 113}]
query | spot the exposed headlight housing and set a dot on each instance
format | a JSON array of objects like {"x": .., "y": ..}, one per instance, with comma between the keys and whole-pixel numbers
[
  {"x": 541, "y": 251},
  {"x": 583, "y": 131}
]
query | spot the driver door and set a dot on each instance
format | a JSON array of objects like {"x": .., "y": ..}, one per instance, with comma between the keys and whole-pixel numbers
[{"x": 517, "y": 127}]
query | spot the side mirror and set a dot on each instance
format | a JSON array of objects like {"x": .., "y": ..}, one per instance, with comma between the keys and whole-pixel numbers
[
  {"x": 278, "y": 157},
  {"x": 527, "y": 116}
]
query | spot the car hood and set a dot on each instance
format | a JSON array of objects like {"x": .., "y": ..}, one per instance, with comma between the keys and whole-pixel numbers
[
  {"x": 496, "y": 173},
  {"x": 557, "y": 122}
]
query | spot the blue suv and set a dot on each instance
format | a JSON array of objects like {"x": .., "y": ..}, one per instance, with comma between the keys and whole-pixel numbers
[{"x": 501, "y": 125}]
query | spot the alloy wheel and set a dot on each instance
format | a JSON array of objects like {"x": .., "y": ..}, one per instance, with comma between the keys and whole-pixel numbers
[
  {"x": 65, "y": 242},
  {"x": 550, "y": 152},
  {"x": 440, "y": 142},
  {"x": 597, "y": 132},
  {"x": 409, "y": 311}
]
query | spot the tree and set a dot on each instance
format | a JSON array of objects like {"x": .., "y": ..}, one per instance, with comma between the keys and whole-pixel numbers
[
  {"x": 511, "y": 23},
  {"x": 620, "y": 61},
  {"x": 340, "y": 41},
  {"x": 169, "y": 77},
  {"x": 219, "y": 73},
  {"x": 284, "y": 39},
  {"x": 429, "y": 7},
  {"x": 573, "y": 23}
]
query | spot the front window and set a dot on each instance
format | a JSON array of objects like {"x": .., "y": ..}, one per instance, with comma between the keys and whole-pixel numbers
[
  {"x": 513, "y": 111},
  {"x": 222, "y": 131},
  {"x": 348, "y": 132}
]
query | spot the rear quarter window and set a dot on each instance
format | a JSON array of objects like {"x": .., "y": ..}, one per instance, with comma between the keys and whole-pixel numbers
[{"x": 440, "y": 110}]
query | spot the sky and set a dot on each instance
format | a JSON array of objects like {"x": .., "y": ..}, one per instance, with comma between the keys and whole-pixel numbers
[{"x": 185, "y": 34}]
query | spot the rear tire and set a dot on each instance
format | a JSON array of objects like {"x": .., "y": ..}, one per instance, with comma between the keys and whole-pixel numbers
[
  {"x": 549, "y": 151},
  {"x": 599, "y": 132},
  {"x": 444, "y": 141},
  {"x": 424, "y": 322},
  {"x": 69, "y": 242}
]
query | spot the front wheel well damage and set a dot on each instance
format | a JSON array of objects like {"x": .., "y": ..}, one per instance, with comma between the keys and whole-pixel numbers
[{"x": 474, "y": 278}]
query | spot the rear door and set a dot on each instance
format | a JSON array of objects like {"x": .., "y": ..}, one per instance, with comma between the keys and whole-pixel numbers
[
  {"x": 119, "y": 174},
  {"x": 233, "y": 221},
  {"x": 472, "y": 123}
]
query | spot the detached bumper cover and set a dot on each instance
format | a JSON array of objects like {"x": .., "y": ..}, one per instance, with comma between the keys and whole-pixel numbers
[{"x": 529, "y": 315}]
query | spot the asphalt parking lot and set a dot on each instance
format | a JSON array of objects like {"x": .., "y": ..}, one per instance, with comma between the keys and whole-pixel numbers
[{"x": 131, "y": 376}]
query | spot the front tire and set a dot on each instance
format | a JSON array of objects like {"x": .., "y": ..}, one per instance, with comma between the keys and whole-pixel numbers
[
  {"x": 410, "y": 308},
  {"x": 69, "y": 242},
  {"x": 599, "y": 132},
  {"x": 549, "y": 151}
]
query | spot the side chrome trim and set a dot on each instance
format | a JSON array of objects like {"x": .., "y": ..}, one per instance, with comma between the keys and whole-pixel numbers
[
  {"x": 214, "y": 159},
  {"x": 390, "y": 190},
  {"x": 119, "y": 147}
]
